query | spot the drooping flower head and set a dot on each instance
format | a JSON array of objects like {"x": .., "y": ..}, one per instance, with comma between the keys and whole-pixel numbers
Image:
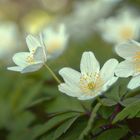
[
  {"x": 55, "y": 40},
  {"x": 92, "y": 81},
  {"x": 32, "y": 60},
  {"x": 130, "y": 51}
]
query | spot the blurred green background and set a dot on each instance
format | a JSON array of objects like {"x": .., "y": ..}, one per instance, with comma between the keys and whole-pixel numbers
[{"x": 29, "y": 100}]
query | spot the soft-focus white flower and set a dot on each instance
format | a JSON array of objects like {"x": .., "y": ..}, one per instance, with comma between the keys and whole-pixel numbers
[
  {"x": 85, "y": 14},
  {"x": 32, "y": 60},
  {"x": 92, "y": 81},
  {"x": 55, "y": 41},
  {"x": 130, "y": 51},
  {"x": 9, "y": 38},
  {"x": 125, "y": 26},
  {"x": 35, "y": 20}
]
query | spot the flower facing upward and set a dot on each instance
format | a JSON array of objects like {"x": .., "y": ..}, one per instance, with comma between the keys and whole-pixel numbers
[
  {"x": 130, "y": 51},
  {"x": 55, "y": 41},
  {"x": 92, "y": 81},
  {"x": 123, "y": 27},
  {"x": 32, "y": 60}
]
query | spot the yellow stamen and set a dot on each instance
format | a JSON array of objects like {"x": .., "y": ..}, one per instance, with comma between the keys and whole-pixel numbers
[
  {"x": 90, "y": 83},
  {"x": 33, "y": 51},
  {"x": 30, "y": 59},
  {"x": 53, "y": 46},
  {"x": 126, "y": 33},
  {"x": 137, "y": 62}
]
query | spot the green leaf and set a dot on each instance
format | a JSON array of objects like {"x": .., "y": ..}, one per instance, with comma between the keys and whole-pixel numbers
[
  {"x": 113, "y": 93},
  {"x": 106, "y": 112},
  {"x": 30, "y": 95},
  {"x": 98, "y": 124},
  {"x": 49, "y": 136},
  {"x": 129, "y": 112},
  {"x": 115, "y": 134},
  {"x": 63, "y": 103},
  {"x": 118, "y": 90},
  {"x": 74, "y": 132},
  {"x": 135, "y": 138},
  {"x": 108, "y": 102},
  {"x": 129, "y": 101},
  {"x": 52, "y": 123},
  {"x": 38, "y": 101},
  {"x": 19, "y": 126},
  {"x": 64, "y": 127}
]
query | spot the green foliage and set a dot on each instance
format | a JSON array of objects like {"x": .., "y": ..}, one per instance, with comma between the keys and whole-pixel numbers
[
  {"x": 129, "y": 112},
  {"x": 74, "y": 132},
  {"x": 108, "y": 102},
  {"x": 135, "y": 138},
  {"x": 62, "y": 129},
  {"x": 39, "y": 130},
  {"x": 106, "y": 112},
  {"x": 117, "y": 92},
  {"x": 115, "y": 134}
]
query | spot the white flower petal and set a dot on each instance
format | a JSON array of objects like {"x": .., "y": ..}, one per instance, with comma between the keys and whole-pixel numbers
[
  {"x": 39, "y": 55},
  {"x": 84, "y": 89},
  {"x": 128, "y": 49},
  {"x": 32, "y": 68},
  {"x": 55, "y": 40},
  {"x": 20, "y": 58},
  {"x": 86, "y": 97},
  {"x": 89, "y": 63},
  {"x": 125, "y": 69},
  {"x": 62, "y": 29},
  {"x": 108, "y": 69},
  {"x": 134, "y": 82},
  {"x": 70, "y": 76},
  {"x": 15, "y": 68},
  {"x": 109, "y": 83},
  {"x": 32, "y": 42},
  {"x": 69, "y": 90}
]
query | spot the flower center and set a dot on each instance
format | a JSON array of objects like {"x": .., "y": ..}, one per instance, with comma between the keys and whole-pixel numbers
[
  {"x": 53, "y": 46},
  {"x": 137, "y": 62},
  {"x": 91, "y": 86},
  {"x": 30, "y": 59},
  {"x": 90, "y": 83},
  {"x": 126, "y": 33},
  {"x": 33, "y": 51}
]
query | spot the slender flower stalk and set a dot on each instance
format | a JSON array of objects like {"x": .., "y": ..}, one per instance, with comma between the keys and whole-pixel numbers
[
  {"x": 52, "y": 73},
  {"x": 99, "y": 100},
  {"x": 91, "y": 121}
]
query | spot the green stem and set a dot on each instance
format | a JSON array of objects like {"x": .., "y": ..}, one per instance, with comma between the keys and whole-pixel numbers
[
  {"x": 52, "y": 73},
  {"x": 86, "y": 131}
]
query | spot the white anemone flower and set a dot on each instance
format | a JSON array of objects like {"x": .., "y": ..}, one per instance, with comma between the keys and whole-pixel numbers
[
  {"x": 30, "y": 61},
  {"x": 125, "y": 26},
  {"x": 9, "y": 34},
  {"x": 55, "y": 41},
  {"x": 92, "y": 81},
  {"x": 78, "y": 23},
  {"x": 130, "y": 51}
]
